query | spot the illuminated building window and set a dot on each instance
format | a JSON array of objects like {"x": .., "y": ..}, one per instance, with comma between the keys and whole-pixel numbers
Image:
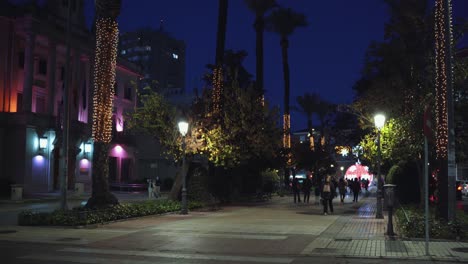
[{"x": 123, "y": 52}]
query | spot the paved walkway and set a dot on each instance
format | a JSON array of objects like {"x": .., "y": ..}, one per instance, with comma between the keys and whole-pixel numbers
[
  {"x": 360, "y": 234},
  {"x": 275, "y": 229}
]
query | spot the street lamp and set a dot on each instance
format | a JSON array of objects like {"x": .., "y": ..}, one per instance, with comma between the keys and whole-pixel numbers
[
  {"x": 342, "y": 169},
  {"x": 183, "y": 128},
  {"x": 379, "y": 120}
]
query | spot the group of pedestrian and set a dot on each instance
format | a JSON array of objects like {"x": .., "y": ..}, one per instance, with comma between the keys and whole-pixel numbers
[
  {"x": 325, "y": 190},
  {"x": 305, "y": 187},
  {"x": 154, "y": 188}
]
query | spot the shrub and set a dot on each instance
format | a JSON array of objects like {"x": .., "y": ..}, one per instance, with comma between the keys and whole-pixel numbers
[
  {"x": 410, "y": 223},
  {"x": 269, "y": 179},
  {"x": 83, "y": 216}
]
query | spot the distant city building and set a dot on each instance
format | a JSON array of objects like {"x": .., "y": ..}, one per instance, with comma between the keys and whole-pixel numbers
[
  {"x": 32, "y": 80},
  {"x": 161, "y": 57}
]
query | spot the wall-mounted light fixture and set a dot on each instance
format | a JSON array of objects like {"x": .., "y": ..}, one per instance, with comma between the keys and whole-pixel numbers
[
  {"x": 42, "y": 143},
  {"x": 87, "y": 148}
]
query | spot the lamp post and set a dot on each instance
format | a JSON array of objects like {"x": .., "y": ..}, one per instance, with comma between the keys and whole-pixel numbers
[
  {"x": 342, "y": 170},
  {"x": 379, "y": 120},
  {"x": 183, "y": 128}
]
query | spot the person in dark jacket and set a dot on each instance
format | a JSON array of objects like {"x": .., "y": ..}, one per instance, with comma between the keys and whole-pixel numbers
[
  {"x": 356, "y": 189},
  {"x": 342, "y": 189},
  {"x": 296, "y": 187},
  {"x": 306, "y": 185},
  {"x": 328, "y": 193}
]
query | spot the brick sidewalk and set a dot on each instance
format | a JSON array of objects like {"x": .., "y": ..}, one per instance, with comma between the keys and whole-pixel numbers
[{"x": 361, "y": 235}]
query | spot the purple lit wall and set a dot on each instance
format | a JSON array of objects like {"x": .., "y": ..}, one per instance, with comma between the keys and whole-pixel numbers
[{"x": 118, "y": 151}]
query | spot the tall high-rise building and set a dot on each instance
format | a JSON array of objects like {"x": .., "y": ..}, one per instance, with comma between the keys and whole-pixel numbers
[{"x": 161, "y": 57}]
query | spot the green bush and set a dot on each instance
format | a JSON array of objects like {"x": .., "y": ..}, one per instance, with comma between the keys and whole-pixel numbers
[
  {"x": 82, "y": 216},
  {"x": 410, "y": 223},
  {"x": 394, "y": 172},
  {"x": 269, "y": 179}
]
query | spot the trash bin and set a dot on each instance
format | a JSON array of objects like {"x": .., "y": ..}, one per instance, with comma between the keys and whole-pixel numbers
[
  {"x": 389, "y": 190},
  {"x": 79, "y": 188},
  {"x": 390, "y": 198},
  {"x": 16, "y": 192}
]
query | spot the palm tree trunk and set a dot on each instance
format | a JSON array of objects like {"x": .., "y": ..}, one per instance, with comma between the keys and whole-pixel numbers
[
  {"x": 101, "y": 196},
  {"x": 287, "y": 117},
  {"x": 259, "y": 27},
  {"x": 104, "y": 78},
  {"x": 218, "y": 76},
  {"x": 221, "y": 33}
]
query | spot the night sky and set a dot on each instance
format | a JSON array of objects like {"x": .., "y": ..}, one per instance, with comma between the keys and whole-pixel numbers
[{"x": 325, "y": 57}]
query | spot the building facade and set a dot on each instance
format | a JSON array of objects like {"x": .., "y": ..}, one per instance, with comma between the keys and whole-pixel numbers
[
  {"x": 161, "y": 57},
  {"x": 33, "y": 56}
]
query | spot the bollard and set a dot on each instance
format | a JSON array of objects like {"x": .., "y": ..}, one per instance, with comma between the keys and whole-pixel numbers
[
  {"x": 16, "y": 192},
  {"x": 390, "y": 197}
]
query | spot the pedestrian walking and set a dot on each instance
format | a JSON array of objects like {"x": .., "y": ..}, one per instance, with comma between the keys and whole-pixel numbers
[
  {"x": 157, "y": 187},
  {"x": 356, "y": 189},
  {"x": 150, "y": 188},
  {"x": 328, "y": 193},
  {"x": 296, "y": 187},
  {"x": 342, "y": 189},
  {"x": 306, "y": 185}
]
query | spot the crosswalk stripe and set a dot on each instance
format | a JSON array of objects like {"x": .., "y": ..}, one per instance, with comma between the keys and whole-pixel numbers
[
  {"x": 238, "y": 236},
  {"x": 173, "y": 255}
]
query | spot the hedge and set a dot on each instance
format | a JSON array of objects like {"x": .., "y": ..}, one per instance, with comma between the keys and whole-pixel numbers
[
  {"x": 410, "y": 223},
  {"x": 81, "y": 216}
]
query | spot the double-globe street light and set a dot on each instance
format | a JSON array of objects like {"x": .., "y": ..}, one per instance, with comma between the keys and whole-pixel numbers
[
  {"x": 379, "y": 120},
  {"x": 183, "y": 128}
]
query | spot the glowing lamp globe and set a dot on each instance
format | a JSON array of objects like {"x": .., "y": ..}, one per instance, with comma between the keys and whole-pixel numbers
[
  {"x": 183, "y": 128},
  {"x": 379, "y": 120}
]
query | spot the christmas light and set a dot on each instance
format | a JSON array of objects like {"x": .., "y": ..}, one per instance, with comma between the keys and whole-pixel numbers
[
  {"x": 104, "y": 78},
  {"x": 441, "y": 82},
  {"x": 286, "y": 129},
  {"x": 217, "y": 88}
]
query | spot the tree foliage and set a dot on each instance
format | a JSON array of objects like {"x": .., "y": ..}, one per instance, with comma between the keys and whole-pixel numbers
[{"x": 247, "y": 131}]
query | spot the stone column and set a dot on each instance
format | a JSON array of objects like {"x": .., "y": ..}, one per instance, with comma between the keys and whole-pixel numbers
[
  {"x": 28, "y": 71},
  {"x": 75, "y": 85},
  {"x": 51, "y": 76}
]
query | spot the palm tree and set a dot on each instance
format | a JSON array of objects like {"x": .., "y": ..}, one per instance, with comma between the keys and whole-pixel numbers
[
  {"x": 323, "y": 108},
  {"x": 104, "y": 79},
  {"x": 308, "y": 106},
  {"x": 218, "y": 78},
  {"x": 284, "y": 21},
  {"x": 259, "y": 7}
]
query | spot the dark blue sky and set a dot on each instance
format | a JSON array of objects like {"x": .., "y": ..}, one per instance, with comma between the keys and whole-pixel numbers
[{"x": 325, "y": 57}]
